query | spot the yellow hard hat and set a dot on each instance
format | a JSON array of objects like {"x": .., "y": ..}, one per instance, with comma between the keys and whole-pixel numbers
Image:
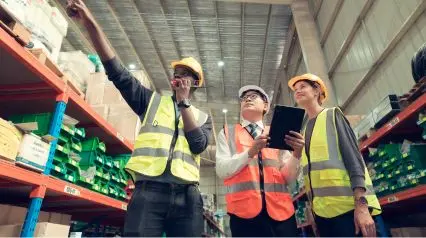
[
  {"x": 312, "y": 78},
  {"x": 192, "y": 64}
]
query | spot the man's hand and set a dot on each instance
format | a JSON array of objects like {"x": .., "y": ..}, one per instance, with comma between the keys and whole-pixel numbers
[
  {"x": 259, "y": 143},
  {"x": 296, "y": 141},
  {"x": 364, "y": 222},
  {"x": 80, "y": 12},
  {"x": 182, "y": 89}
]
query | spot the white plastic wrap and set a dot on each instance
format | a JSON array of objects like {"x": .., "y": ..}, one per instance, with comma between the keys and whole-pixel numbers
[
  {"x": 18, "y": 8},
  {"x": 77, "y": 65},
  {"x": 59, "y": 21}
]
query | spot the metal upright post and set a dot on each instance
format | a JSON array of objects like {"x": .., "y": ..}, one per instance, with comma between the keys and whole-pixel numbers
[{"x": 38, "y": 193}]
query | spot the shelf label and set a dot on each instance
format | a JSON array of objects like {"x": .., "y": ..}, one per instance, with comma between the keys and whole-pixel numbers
[
  {"x": 392, "y": 199},
  {"x": 393, "y": 122},
  {"x": 71, "y": 190},
  {"x": 124, "y": 206}
]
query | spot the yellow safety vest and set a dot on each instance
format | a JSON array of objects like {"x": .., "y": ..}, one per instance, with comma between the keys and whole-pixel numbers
[
  {"x": 331, "y": 185},
  {"x": 153, "y": 145}
]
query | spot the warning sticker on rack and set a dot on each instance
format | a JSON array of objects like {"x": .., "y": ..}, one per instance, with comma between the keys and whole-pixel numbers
[
  {"x": 72, "y": 191},
  {"x": 392, "y": 199},
  {"x": 393, "y": 122},
  {"x": 124, "y": 206}
]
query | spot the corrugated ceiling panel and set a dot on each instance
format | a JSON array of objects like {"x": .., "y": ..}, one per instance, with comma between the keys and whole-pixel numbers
[
  {"x": 394, "y": 74},
  {"x": 324, "y": 14},
  {"x": 343, "y": 25}
]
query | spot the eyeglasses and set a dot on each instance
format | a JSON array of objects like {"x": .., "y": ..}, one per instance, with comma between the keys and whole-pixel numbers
[{"x": 250, "y": 96}]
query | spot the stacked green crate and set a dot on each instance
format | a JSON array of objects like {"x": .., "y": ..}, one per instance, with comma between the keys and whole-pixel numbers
[
  {"x": 396, "y": 171},
  {"x": 385, "y": 160},
  {"x": 119, "y": 165},
  {"x": 93, "y": 156}
]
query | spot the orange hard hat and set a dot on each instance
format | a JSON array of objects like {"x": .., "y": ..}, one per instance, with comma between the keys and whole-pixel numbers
[{"x": 312, "y": 78}]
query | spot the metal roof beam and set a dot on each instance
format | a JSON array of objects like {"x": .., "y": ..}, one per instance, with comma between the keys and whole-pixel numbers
[
  {"x": 243, "y": 6},
  {"x": 406, "y": 26},
  {"x": 220, "y": 46},
  {"x": 265, "y": 44},
  {"x": 178, "y": 52},
  {"x": 154, "y": 45},
  {"x": 279, "y": 2},
  {"x": 348, "y": 41},
  {"x": 197, "y": 48}
]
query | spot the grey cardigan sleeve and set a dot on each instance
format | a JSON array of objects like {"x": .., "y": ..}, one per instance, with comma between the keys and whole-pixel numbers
[{"x": 351, "y": 156}]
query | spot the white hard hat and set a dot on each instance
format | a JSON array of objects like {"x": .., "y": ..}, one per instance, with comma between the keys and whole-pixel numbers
[{"x": 253, "y": 88}]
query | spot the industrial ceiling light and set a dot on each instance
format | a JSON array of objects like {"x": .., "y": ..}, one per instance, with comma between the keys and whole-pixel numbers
[
  {"x": 220, "y": 63},
  {"x": 225, "y": 110},
  {"x": 132, "y": 66}
]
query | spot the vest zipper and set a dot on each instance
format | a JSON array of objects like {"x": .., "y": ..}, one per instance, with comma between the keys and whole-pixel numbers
[{"x": 175, "y": 135}]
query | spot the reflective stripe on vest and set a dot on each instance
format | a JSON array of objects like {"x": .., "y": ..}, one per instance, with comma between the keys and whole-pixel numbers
[
  {"x": 269, "y": 187},
  {"x": 243, "y": 195},
  {"x": 332, "y": 190},
  {"x": 152, "y": 146}
]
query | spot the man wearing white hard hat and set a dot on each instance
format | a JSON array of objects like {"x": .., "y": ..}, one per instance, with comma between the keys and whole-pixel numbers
[
  {"x": 255, "y": 176},
  {"x": 165, "y": 163}
]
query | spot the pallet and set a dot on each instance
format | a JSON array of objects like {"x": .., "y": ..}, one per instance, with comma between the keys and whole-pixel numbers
[
  {"x": 14, "y": 28},
  {"x": 44, "y": 59},
  {"x": 71, "y": 85}
]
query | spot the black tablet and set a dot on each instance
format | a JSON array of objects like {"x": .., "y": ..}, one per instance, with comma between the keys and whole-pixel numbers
[{"x": 284, "y": 120}]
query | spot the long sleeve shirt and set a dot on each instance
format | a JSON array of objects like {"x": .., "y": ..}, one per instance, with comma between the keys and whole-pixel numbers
[
  {"x": 348, "y": 148},
  {"x": 227, "y": 164},
  {"x": 138, "y": 98}
]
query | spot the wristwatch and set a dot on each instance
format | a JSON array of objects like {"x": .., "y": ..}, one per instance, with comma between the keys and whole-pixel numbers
[
  {"x": 185, "y": 103},
  {"x": 361, "y": 201}
]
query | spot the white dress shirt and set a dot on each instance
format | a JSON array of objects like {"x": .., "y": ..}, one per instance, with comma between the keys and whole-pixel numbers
[{"x": 228, "y": 164}]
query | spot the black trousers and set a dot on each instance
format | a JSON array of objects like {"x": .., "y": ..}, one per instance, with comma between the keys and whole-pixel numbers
[
  {"x": 340, "y": 226},
  {"x": 262, "y": 226},
  {"x": 156, "y": 207}
]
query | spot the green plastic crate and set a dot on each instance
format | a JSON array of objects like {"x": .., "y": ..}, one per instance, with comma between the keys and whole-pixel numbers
[
  {"x": 416, "y": 156},
  {"x": 58, "y": 170},
  {"x": 63, "y": 150},
  {"x": 68, "y": 130},
  {"x": 93, "y": 144},
  {"x": 85, "y": 182},
  {"x": 122, "y": 159},
  {"x": 389, "y": 150},
  {"x": 108, "y": 163},
  {"x": 43, "y": 121},
  {"x": 79, "y": 133},
  {"x": 91, "y": 158},
  {"x": 76, "y": 145}
]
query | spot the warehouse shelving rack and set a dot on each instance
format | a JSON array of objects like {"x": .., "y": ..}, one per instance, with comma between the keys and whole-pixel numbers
[
  {"x": 28, "y": 86},
  {"x": 404, "y": 123}
]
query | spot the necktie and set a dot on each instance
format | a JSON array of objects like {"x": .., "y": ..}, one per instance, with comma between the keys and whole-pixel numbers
[{"x": 252, "y": 129}]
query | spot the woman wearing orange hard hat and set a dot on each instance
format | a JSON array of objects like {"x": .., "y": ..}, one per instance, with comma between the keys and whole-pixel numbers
[{"x": 336, "y": 179}]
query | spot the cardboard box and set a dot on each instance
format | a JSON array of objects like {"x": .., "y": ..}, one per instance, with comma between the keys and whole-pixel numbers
[
  {"x": 111, "y": 94},
  {"x": 33, "y": 152},
  {"x": 10, "y": 140},
  {"x": 43, "y": 229},
  {"x": 12, "y": 215},
  {"x": 124, "y": 120},
  {"x": 102, "y": 110},
  {"x": 95, "y": 88}
]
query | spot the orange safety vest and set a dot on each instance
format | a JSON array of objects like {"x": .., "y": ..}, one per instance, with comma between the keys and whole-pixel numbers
[{"x": 243, "y": 197}]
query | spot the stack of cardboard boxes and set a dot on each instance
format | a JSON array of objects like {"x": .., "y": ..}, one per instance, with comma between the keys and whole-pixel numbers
[
  {"x": 107, "y": 101},
  {"x": 49, "y": 224}
]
